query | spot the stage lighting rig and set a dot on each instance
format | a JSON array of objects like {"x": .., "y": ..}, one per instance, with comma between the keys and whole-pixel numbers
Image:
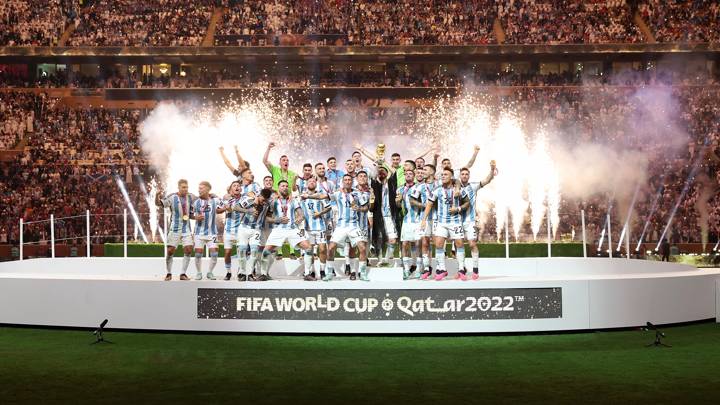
[
  {"x": 99, "y": 333},
  {"x": 658, "y": 336}
]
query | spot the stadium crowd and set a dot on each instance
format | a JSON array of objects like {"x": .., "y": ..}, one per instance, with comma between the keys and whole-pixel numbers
[
  {"x": 70, "y": 154},
  {"x": 682, "y": 20},
  {"x": 151, "y": 23},
  {"x": 33, "y": 22},
  {"x": 571, "y": 22},
  {"x": 361, "y": 22}
]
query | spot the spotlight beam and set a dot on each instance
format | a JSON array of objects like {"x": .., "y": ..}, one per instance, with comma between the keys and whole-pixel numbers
[
  {"x": 627, "y": 218},
  {"x": 129, "y": 203},
  {"x": 653, "y": 208},
  {"x": 686, "y": 187}
]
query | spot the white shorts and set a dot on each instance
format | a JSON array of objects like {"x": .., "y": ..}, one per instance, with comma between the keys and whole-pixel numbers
[
  {"x": 278, "y": 236},
  {"x": 469, "y": 230},
  {"x": 390, "y": 230},
  {"x": 427, "y": 232},
  {"x": 264, "y": 235},
  {"x": 343, "y": 234},
  {"x": 248, "y": 236},
  {"x": 364, "y": 235},
  {"x": 229, "y": 238},
  {"x": 176, "y": 238},
  {"x": 448, "y": 231},
  {"x": 210, "y": 241},
  {"x": 409, "y": 232},
  {"x": 317, "y": 237}
]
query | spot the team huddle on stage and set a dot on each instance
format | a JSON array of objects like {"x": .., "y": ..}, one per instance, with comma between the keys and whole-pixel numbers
[{"x": 325, "y": 209}]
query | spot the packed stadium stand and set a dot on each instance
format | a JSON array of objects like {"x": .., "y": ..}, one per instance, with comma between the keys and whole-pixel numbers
[{"x": 62, "y": 140}]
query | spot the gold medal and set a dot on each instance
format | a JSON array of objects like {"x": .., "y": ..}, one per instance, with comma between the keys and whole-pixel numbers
[{"x": 185, "y": 217}]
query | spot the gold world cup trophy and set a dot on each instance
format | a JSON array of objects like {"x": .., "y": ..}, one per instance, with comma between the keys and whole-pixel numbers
[
  {"x": 493, "y": 167},
  {"x": 380, "y": 152}
]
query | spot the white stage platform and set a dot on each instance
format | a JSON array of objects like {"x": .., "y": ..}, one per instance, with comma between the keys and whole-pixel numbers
[{"x": 512, "y": 295}]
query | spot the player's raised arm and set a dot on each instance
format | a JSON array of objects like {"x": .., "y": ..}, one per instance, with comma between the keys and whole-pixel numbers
[
  {"x": 266, "y": 156},
  {"x": 489, "y": 177},
  {"x": 471, "y": 162},
  {"x": 242, "y": 164},
  {"x": 427, "y": 152},
  {"x": 226, "y": 160},
  {"x": 365, "y": 152}
]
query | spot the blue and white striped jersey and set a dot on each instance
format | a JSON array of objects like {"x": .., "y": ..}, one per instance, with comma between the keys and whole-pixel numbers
[
  {"x": 282, "y": 207},
  {"x": 232, "y": 218},
  {"x": 423, "y": 191},
  {"x": 413, "y": 215},
  {"x": 363, "y": 216},
  {"x": 347, "y": 217},
  {"x": 179, "y": 207},
  {"x": 327, "y": 187},
  {"x": 254, "y": 219},
  {"x": 471, "y": 192},
  {"x": 385, "y": 200},
  {"x": 334, "y": 176},
  {"x": 245, "y": 189},
  {"x": 207, "y": 226},
  {"x": 309, "y": 208},
  {"x": 301, "y": 184},
  {"x": 447, "y": 198}
]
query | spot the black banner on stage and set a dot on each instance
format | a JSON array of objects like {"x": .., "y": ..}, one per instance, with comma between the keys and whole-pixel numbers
[{"x": 380, "y": 304}]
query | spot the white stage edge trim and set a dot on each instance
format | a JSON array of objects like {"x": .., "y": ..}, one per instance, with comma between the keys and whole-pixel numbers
[{"x": 595, "y": 293}]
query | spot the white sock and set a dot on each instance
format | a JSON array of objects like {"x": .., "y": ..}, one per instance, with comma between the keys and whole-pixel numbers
[
  {"x": 251, "y": 260},
  {"x": 426, "y": 261},
  {"x": 440, "y": 256},
  {"x": 213, "y": 261},
  {"x": 242, "y": 258},
  {"x": 330, "y": 266},
  {"x": 267, "y": 261},
  {"x": 406, "y": 263},
  {"x": 186, "y": 263},
  {"x": 390, "y": 252},
  {"x": 346, "y": 253},
  {"x": 308, "y": 259},
  {"x": 168, "y": 263},
  {"x": 198, "y": 262},
  {"x": 475, "y": 259},
  {"x": 461, "y": 258}
]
